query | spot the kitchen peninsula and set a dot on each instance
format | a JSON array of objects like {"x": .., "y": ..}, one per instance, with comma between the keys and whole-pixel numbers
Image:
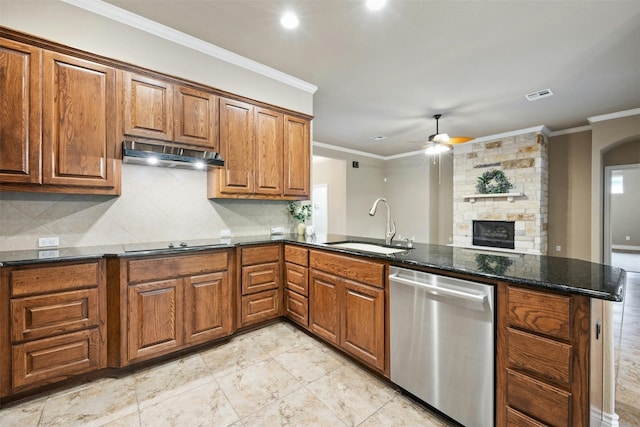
[{"x": 69, "y": 313}]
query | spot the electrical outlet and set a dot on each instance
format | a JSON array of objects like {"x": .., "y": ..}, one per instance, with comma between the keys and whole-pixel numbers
[
  {"x": 558, "y": 248},
  {"x": 277, "y": 230},
  {"x": 48, "y": 254},
  {"x": 628, "y": 237},
  {"x": 225, "y": 233},
  {"x": 47, "y": 242}
]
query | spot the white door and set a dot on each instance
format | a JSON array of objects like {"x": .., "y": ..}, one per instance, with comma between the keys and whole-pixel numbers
[{"x": 319, "y": 211}]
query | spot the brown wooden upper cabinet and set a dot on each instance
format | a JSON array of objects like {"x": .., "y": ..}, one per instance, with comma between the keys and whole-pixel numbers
[
  {"x": 158, "y": 109},
  {"x": 296, "y": 157},
  {"x": 79, "y": 107},
  {"x": 20, "y": 112},
  {"x": 57, "y": 112},
  {"x": 266, "y": 154}
]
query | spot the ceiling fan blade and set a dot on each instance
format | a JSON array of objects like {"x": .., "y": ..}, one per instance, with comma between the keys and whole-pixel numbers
[{"x": 460, "y": 139}]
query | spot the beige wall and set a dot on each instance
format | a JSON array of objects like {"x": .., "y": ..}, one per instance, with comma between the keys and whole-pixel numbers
[
  {"x": 333, "y": 174},
  {"x": 408, "y": 191},
  {"x": 363, "y": 186},
  {"x": 420, "y": 205},
  {"x": 570, "y": 195}
]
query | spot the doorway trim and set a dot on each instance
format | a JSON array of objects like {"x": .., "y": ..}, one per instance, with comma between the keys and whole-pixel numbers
[{"x": 606, "y": 241}]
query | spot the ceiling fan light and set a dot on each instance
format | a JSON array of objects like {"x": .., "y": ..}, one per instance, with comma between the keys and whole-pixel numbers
[
  {"x": 436, "y": 149},
  {"x": 441, "y": 138}
]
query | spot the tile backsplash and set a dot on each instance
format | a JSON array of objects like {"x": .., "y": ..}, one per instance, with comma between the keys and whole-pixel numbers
[{"x": 157, "y": 204}]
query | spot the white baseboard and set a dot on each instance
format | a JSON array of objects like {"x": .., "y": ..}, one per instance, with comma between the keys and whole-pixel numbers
[
  {"x": 603, "y": 419},
  {"x": 610, "y": 420},
  {"x": 626, "y": 247}
]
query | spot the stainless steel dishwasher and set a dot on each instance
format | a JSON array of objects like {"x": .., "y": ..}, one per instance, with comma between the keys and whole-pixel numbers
[{"x": 442, "y": 343}]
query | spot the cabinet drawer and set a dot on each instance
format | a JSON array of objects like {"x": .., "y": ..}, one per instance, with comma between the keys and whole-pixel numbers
[
  {"x": 259, "y": 307},
  {"x": 53, "y": 279},
  {"x": 260, "y": 254},
  {"x": 296, "y": 307},
  {"x": 297, "y": 279},
  {"x": 262, "y": 277},
  {"x": 516, "y": 419},
  {"x": 368, "y": 272},
  {"x": 146, "y": 270},
  {"x": 47, "y": 315},
  {"x": 53, "y": 359},
  {"x": 550, "y": 360},
  {"x": 296, "y": 255},
  {"x": 538, "y": 400},
  {"x": 539, "y": 312}
]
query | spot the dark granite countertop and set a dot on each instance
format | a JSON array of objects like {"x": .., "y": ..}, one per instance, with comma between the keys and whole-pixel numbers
[{"x": 546, "y": 272}]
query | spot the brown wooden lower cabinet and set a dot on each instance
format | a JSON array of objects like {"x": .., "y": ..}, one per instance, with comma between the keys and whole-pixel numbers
[
  {"x": 54, "y": 323},
  {"x": 347, "y": 305},
  {"x": 260, "y": 284},
  {"x": 542, "y": 358},
  {"x": 161, "y": 304},
  {"x": 296, "y": 283}
]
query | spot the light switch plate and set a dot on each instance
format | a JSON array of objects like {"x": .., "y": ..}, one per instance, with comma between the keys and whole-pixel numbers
[{"x": 48, "y": 242}]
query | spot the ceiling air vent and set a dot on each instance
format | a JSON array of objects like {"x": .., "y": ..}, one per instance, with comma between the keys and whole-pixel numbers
[{"x": 539, "y": 94}]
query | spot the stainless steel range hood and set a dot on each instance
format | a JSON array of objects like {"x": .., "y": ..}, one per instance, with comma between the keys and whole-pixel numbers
[{"x": 158, "y": 154}]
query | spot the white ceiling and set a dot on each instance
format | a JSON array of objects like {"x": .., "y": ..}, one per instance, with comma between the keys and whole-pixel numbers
[{"x": 388, "y": 72}]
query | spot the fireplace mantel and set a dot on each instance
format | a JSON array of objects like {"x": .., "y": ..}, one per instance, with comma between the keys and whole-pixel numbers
[{"x": 510, "y": 196}]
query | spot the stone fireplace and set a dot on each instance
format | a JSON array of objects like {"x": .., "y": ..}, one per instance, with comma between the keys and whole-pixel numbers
[{"x": 523, "y": 159}]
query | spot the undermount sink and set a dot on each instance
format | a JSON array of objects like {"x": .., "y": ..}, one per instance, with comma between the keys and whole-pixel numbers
[{"x": 368, "y": 247}]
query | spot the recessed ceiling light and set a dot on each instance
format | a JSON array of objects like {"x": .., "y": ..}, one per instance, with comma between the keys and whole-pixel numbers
[
  {"x": 289, "y": 20},
  {"x": 376, "y": 4},
  {"x": 378, "y": 137}
]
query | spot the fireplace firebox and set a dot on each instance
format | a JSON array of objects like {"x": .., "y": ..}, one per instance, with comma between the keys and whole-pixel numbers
[{"x": 496, "y": 234}]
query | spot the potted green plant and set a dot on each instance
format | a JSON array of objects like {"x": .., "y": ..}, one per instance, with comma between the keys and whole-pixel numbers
[{"x": 301, "y": 213}]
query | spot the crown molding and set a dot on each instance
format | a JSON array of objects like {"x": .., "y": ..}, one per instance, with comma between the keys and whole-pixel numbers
[
  {"x": 539, "y": 129},
  {"x": 140, "y": 23},
  {"x": 611, "y": 116},
  {"x": 348, "y": 150},
  {"x": 578, "y": 129}
]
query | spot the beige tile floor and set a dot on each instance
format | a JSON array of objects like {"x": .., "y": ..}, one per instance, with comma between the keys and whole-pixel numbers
[
  {"x": 278, "y": 376},
  {"x": 273, "y": 376}
]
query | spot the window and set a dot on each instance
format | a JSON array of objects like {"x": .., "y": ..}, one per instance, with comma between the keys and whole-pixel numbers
[{"x": 617, "y": 185}]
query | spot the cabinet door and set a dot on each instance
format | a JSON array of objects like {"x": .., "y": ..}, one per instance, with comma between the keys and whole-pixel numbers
[
  {"x": 56, "y": 358},
  {"x": 323, "y": 305},
  {"x": 207, "y": 308},
  {"x": 196, "y": 117},
  {"x": 268, "y": 160},
  {"x": 148, "y": 107},
  {"x": 296, "y": 157},
  {"x": 236, "y": 147},
  {"x": 260, "y": 277},
  {"x": 20, "y": 107},
  {"x": 296, "y": 307},
  {"x": 256, "y": 308},
  {"x": 155, "y": 318},
  {"x": 296, "y": 278},
  {"x": 79, "y": 136},
  {"x": 362, "y": 323}
]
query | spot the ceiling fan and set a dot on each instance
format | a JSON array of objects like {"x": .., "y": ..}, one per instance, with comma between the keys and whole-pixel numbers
[{"x": 441, "y": 142}]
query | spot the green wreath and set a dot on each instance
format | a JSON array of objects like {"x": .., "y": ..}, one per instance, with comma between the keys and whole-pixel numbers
[
  {"x": 493, "y": 264},
  {"x": 492, "y": 182}
]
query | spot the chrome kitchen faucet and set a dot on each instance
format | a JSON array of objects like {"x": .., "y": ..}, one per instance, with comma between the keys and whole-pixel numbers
[{"x": 390, "y": 229}]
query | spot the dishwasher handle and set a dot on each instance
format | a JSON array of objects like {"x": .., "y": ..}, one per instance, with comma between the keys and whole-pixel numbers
[{"x": 438, "y": 290}]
